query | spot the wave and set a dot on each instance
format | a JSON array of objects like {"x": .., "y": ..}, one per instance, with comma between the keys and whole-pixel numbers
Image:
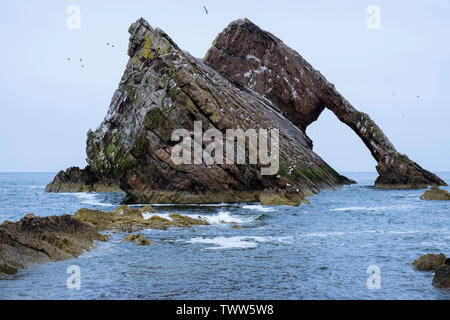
[
  {"x": 262, "y": 217},
  {"x": 186, "y": 205},
  {"x": 326, "y": 234},
  {"x": 222, "y": 217},
  {"x": 396, "y": 207},
  {"x": 258, "y": 207},
  {"x": 90, "y": 199},
  {"x": 247, "y": 242}
]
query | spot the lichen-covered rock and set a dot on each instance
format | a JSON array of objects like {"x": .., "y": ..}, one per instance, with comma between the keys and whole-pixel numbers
[
  {"x": 164, "y": 88},
  {"x": 75, "y": 179},
  {"x": 35, "y": 240},
  {"x": 147, "y": 209},
  {"x": 280, "y": 198},
  {"x": 253, "y": 58},
  {"x": 127, "y": 219},
  {"x": 435, "y": 194},
  {"x": 140, "y": 239},
  {"x": 441, "y": 278},
  {"x": 429, "y": 262}
]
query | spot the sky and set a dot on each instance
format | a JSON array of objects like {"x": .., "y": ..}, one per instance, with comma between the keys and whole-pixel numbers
[{"x": 398, "y": 73}]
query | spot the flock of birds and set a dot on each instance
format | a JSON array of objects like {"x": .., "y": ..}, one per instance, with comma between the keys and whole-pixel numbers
[
  {"x": 206, "y": 12},
  {"x": 81, "y": 59},
  {"x": 112, "y": 46}
]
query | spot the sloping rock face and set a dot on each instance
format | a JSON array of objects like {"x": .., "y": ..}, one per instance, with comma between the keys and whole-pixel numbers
[
  {"x": 163, "y": 89},
  {"x": 35, "y": 240},
  {"x": 253, "y": 58},
  {"x": 75, "y": 179}
]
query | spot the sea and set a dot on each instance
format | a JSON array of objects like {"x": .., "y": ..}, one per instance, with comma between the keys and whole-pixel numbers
[{"x": 354, "y": 243}]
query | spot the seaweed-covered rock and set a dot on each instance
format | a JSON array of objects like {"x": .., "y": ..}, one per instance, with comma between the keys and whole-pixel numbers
[
  {"x": 435, "y": 194},
  {"x": 35, "y": 240},
  {"x": 127, "y": 219},
  {"x": 280, "y": 198},
  {"x": 429, "y": 262},
  {"x": 256, "y": 59},
  {"x": 441, "y": 278},
  {"x": 164, "y": 88},
  {"x": 140, "y": 239}
]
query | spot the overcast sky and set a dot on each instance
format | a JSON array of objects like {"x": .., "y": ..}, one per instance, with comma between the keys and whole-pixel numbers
[{"x": 399, "y": 74}]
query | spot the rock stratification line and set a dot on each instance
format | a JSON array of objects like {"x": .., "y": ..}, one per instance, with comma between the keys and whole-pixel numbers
[{"x": 256, "y": 59}]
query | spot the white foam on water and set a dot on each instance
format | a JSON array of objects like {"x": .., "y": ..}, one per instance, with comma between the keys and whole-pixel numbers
[
  {"x": 258, "y": 207},
  {"x": 397, "y": 208},
  {"x": 403, "y": 232},
  {"x": 36, "y": 187},
  {"x": 326, "y": 234},
  {"x": 187, "y": 205},
  {"x": 236, "y": 242},
  {"x": 90, "y": 199},
  {"x": 323, "y": 234},
  {"x": 223, "y": 217},
  {"x": 148, "y": 215}
]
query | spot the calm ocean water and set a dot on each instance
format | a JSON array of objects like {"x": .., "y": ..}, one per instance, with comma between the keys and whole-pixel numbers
[{"x": 316, "y": 251}]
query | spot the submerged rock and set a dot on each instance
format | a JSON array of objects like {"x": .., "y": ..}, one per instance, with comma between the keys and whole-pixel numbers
[
  {"x": 435, "y": 194},
  {"x": 256, "y": 59},
  {"x": 164, "y": 88},
  {"x": 442, "y": 277},
  {"x": 281, "y": 198},
  {"x": 429, "y": 262},
  {"x": 140, "y": 239},
  {"x": 127, "y": 219},
  {"x": 35, "y": 240}
]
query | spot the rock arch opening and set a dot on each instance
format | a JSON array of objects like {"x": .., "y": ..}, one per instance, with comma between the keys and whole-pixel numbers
[
  {"x": 250, "y": 57},
  {"x": 338, "y": 145}
]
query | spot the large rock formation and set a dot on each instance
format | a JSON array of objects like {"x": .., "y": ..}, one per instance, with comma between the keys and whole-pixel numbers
[
  {"x": 35, "y": 240},
  {"x": 253, "y": 58},
  {"x": 163, "y": 89}
]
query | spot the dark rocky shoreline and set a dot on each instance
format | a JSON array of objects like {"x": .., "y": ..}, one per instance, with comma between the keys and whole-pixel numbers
[{"x": 35, "y": 240}]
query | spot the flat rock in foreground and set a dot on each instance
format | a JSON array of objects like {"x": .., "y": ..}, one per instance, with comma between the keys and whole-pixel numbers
[
  {"x": 126, "y": 219},
  {"x": 35, "y": 240},
  {"x": 256, "y": 59}
]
